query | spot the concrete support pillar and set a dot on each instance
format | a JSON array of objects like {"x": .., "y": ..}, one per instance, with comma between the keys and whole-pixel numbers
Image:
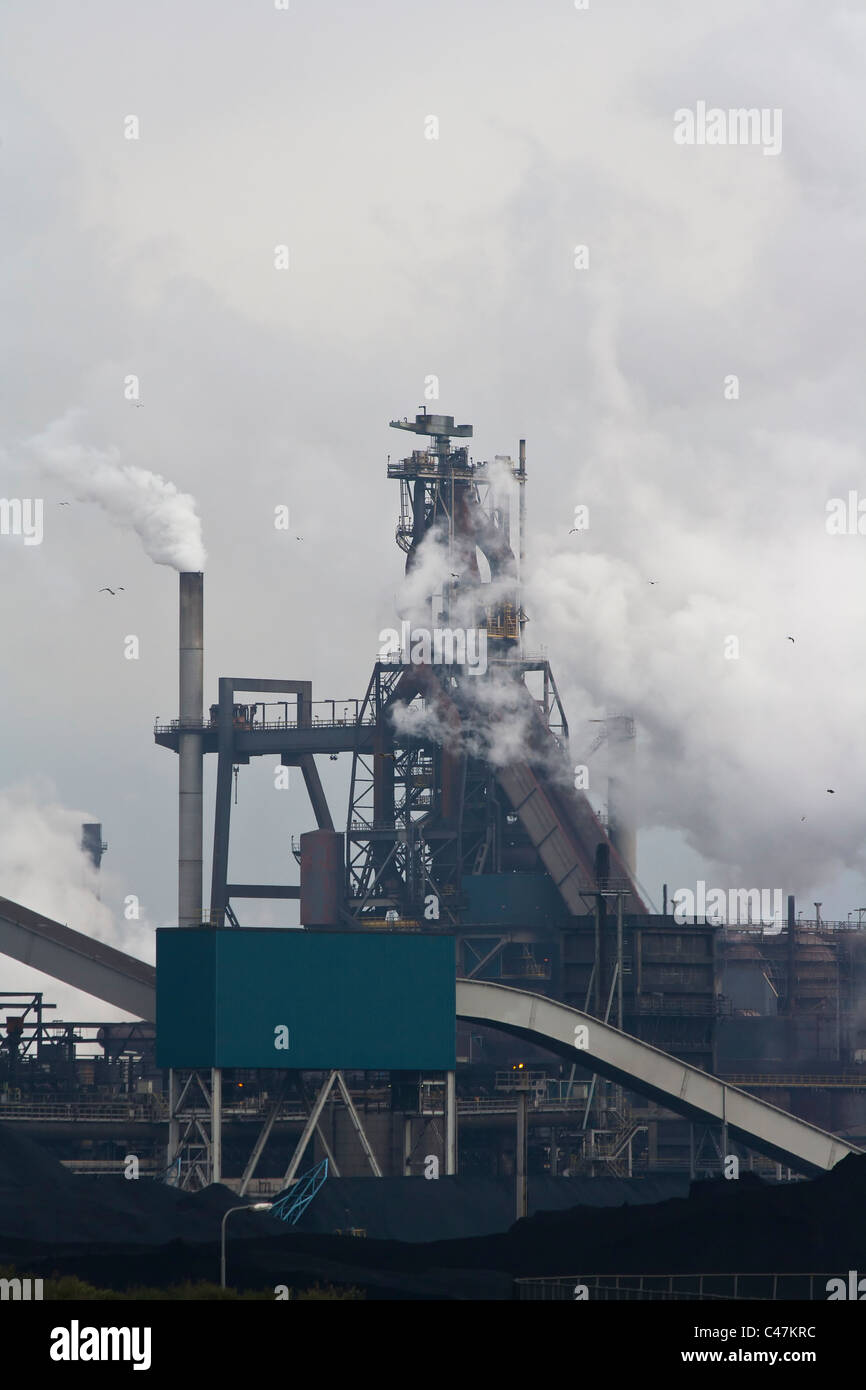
[
  {"x": 216, "y": 1124},
  {"x": 407, "y": 1144},
  {"x": 619, "y": 971},
  {"x": 522, "y": 1154},
  {"x": 173, "y": 1128},
  {"x": 450, "y": 1123},
  {"x": 223, "y": 803}
]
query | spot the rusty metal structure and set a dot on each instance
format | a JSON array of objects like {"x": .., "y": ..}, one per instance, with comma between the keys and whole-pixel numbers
[
  {"x": 464, "y": 817},
  {"x": 464, "y": 814},
  {"x": 464, "y": 796},
  {"x": 462, "y": 811}
]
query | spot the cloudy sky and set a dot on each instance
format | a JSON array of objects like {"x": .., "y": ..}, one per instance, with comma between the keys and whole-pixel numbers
[{"x": 408, "y": 256}]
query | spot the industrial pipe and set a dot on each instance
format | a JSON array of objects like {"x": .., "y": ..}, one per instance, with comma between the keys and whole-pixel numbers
[
  {"x": 621, "y": 789},
  {"x": 190, "y": 750}
]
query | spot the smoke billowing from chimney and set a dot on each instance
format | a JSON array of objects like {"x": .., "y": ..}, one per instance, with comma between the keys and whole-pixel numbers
[
  {"x": 734, "y": 754},
  {"x": 164, "y": 519}
]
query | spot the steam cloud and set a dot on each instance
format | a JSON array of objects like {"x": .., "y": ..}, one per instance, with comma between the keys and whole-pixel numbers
[
  {"x": 733, "y": 757},
  {"x": 42, "y": 867},
  {"x": 496, "y": 714},
  {"x": 164, "y": 519}
]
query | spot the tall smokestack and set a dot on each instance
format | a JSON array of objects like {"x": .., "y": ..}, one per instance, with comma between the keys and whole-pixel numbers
[
  {"x": 521, "y": 533},
  {"x": 621, "y": 789},
  {"x": 190, "y": 755},
  {"x": 92, "y": 843}
]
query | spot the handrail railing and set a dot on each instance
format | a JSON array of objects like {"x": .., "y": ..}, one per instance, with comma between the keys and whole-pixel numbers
[{"x": 751, "y": 1287}]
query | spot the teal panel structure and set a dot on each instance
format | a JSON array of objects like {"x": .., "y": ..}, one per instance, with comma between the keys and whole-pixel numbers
[
  {"x": 360, "y": 1001},
  {"x": 188, "y": 1022}
]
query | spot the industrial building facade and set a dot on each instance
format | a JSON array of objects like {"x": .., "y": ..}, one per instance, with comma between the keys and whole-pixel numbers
[{"x": 469, "y": 850}]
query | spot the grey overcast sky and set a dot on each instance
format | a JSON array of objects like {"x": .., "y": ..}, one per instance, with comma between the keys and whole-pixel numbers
[{"x": 453, "y": 256}]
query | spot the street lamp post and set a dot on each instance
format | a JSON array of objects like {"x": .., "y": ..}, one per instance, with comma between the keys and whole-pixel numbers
[{"x": 247, "y": 1206}]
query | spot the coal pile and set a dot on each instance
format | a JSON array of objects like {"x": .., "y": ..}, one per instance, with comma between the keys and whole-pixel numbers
[
  {"x": 723, "y": 1227},
  {"x": 117, "y": 1233},
  {"x": 414, "y": 1209},
  {"x": 43, "y": 1204}
]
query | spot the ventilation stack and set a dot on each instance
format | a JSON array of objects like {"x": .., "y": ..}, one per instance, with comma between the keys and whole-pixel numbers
[
  {"x": 190, "y": 750},
  {"x": 621, "y": 789}
]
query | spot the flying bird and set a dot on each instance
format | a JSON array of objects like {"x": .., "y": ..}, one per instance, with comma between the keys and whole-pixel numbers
[
  {"x": 790, "y": 639},
  {"x": 63, "y": 504},
  {"x": 299, "y": 538},
  {"x": 832, "y": 791},
  {"x": 120, "y": 590},
  {"x": 652, "y": 581},
  {"x": 573, "y": 529}
]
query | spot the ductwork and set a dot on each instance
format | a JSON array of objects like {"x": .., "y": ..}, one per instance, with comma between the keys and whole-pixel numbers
[{"x": 190, "y": 750}]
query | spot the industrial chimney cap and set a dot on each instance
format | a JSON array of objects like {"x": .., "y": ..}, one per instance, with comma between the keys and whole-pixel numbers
[{"x": 442, "y": 425}]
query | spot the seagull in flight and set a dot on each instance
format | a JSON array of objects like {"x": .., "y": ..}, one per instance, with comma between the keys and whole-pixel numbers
[
  {"x": 120, "y": 590},
  {"x": 790, "y": 639}
]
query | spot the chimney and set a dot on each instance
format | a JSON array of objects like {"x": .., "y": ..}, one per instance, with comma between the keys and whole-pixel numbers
[
  {"x": 621, "y": 789},
  {"x": 92, "y": 843},
  {"x": 190, "y": 750}
]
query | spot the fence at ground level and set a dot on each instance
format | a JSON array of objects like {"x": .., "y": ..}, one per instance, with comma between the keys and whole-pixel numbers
[{"x": 685, "y": 1287}]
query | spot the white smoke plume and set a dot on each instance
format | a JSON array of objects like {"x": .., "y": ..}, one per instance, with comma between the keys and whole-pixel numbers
[
  {"x": 431, "y": 575},
  {"x": 497, "y": 717},
  {"x": 742, "y": 757},
  {"x": 164, "y": 519},
  {"x": 43, "y": 868},
  {"x": 497, "y": 725},
  {"x": 423, "y": 720},
  {"x": 503, "y": 488}
]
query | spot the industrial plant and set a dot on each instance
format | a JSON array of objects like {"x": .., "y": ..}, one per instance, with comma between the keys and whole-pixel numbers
[{"x": 481, "y": 987}]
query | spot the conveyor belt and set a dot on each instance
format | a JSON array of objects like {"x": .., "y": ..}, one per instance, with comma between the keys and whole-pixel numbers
[
  {"x": 674, "y": 1084},
  {"x": 78, "y": 960}
]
